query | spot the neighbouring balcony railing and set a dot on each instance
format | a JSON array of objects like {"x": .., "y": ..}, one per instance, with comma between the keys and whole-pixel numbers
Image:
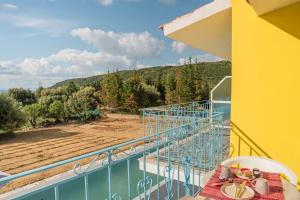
[{"x": 181, "y": 144}]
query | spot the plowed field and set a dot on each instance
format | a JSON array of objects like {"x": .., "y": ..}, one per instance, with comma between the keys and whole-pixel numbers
[{"x": 39, "y": 147}]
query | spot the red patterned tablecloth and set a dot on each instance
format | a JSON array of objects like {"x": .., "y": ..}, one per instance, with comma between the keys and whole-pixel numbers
[{"x": 276, "y": 189}]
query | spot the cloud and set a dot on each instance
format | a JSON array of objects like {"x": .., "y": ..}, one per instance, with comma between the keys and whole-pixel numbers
[
  {"x": 9, "y": 6},
  {"x": 52, "y": 26},
  {"x": 87, "y": 59},
  {"x": 208, "y": 58},
  {"x": 8, "y": 67},
  {"x": 32, "y": 82},
  {"x": 178, "y": 47},
  {"x": 182, "y": 61},
  {"x": 110, "y": 2},
  {"x": 114, "y": 51},
  {"x": 167, "y": 2},
  {"x": 205, "y": 57},
  {"x": 132, "y": 45},
  {"x": 141, "y": 66},
  {"x": 105, "y": 2},
  {"x": 67, "y": 63},
  {"x": 37, "y": 67}
]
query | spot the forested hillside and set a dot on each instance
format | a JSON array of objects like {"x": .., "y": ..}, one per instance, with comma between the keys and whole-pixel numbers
[
  {"x": 130, "y": 90},
  {"x": 210, "y": 71},
  {"x": 124, "y": 91},
  {"x": 170, "y": 81}
]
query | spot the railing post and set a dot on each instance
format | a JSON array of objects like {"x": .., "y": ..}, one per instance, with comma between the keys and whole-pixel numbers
[
  {"x": 56, "y": 192},
  {"x": 169, "y": 182},
  {"x": 109, "y": 174},
  {"x": 187, "y": 175},
  {"x": 129, "y": 179},
  {"x": 169, "y": 168},
  {"x": 86, "y": 187},
  {"x": 193, "y": 148},
  {"x": 158, "y": 170},
  {"x": 178, "y": 179},
  {"x": 144, "y": 172}
]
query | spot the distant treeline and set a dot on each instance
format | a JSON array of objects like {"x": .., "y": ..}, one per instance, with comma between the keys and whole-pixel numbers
[
  {"x": 122, "y": 91},
  {"x": 212, "y": 72},
  {"x": 174, "y": 84}
]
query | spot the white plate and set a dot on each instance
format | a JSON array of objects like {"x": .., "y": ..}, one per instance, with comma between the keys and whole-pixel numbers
[
  {"x": 239, "y": 174},
  {"x": 229, "y": 190}
]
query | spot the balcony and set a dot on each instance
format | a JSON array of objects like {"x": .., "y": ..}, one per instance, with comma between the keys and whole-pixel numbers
[{"x": 181, "y": 144}]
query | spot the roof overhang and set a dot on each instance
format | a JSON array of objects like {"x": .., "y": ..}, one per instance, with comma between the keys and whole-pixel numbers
[
  {"x": 265, "y": 6},
  {"x": 207, "y": 28}
]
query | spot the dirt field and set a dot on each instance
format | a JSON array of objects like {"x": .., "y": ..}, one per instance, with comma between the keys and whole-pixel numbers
[{"x": 39, "y": 147}]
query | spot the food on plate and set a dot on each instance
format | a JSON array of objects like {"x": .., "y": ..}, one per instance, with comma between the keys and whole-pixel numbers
[{"x": 244, "y": 173}]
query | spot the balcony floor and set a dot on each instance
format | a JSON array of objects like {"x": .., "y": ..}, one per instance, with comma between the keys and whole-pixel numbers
[{"x": 177, "y": 187}]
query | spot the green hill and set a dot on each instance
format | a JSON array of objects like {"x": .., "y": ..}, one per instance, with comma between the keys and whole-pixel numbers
[{"x": 210, "y": 72}]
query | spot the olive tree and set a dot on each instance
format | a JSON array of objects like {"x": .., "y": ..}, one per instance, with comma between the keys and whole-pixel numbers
[
  {"x": 34, "y": 112},
  {"x": 82, "y": 105},
  {"x": 56, "y": 110},
  {"x": 24, "y": 96},
  {"x": 11, "y": 116}
]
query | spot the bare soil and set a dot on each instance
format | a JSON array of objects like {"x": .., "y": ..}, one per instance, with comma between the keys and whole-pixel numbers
[{"x": 38, "y": 147}]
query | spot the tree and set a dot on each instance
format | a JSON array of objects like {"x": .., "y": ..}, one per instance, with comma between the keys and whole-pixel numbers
[
  {"x": 71, "y": 88},
  {"x": 56, "y": 111},
  {"x": 161, "y": 89},
  {"x": 133, "y": 93},
  {"x": 111, "y": 89},
  {"x": 205, "y": 91},
  {"x": 34, "y": 112},
  {"x": 38, "y": 92},
  {"x": 82, "y": 105},
  {"x": 24, "y": 96},
  {"x": 11, "y": 116},
  {"x": 170, "y": 89},
  {"x": 95, "y": 84},
  {"x": 186, "y": 86},
  {"x": 48, "y": 96},
  {"x": 138, "y": 94},
  {"x": 150, "y": 96},
  {"x": 178, "y": 91}
]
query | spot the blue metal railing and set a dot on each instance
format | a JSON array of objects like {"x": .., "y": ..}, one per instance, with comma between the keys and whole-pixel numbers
[{"x": 180, "y": 145}]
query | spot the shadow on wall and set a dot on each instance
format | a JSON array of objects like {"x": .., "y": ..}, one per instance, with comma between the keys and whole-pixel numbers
[
  {"x": 286, "y": 19},
  {"x": 242, "y": 144}
]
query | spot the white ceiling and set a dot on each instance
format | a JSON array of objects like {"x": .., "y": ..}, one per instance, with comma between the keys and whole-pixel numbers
[{"x": 208, "y": 28}]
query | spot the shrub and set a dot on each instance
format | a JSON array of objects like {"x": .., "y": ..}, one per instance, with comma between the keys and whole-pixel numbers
[
  {"x": 34, "y": 112},
  {"x": 11, "y": 116},
  {"x": 56, "y": 111},
  {"x": 82, "y": 105},
  {"x": 89, "y": 115}
]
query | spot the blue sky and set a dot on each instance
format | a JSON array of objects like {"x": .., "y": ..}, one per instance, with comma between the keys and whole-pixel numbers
[{"x": 45, "y": 41}]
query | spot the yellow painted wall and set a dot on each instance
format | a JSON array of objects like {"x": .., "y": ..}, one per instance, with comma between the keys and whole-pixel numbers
[{"x": 266, "y": 81}]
